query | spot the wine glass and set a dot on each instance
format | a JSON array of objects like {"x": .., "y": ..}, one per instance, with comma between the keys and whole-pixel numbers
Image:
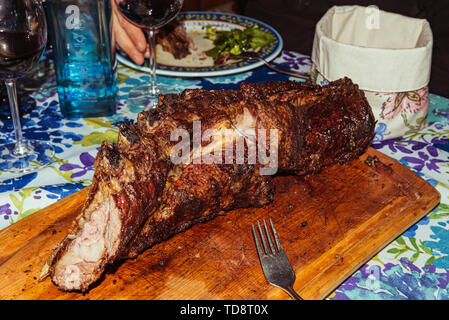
[
  {"x": 23, "y": 36},
  {"x": 26, "y": 103},
  {"x": 42, "y": 76},
  {"x": 149, "y": 15}
]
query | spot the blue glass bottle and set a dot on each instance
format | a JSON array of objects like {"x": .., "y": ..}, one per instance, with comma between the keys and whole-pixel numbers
[{"x": 84, "y": 53}]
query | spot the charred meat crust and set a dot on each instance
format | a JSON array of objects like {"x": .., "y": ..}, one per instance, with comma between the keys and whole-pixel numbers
[
  {"x": 202, "y": 191},
  {"x": 146, "y": 198}
]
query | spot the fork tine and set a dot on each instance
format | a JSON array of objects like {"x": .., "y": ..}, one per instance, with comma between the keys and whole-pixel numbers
[
  {"x": 273, "y": 249},
  {"x": 276, "y": 238},
  {"x": 256, "y": 239},
  {"x": 277, "y": 269},
  {"x": 263, "y": 239}
]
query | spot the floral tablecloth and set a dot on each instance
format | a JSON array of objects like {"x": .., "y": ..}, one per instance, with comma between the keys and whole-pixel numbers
[{"x": 414, "y": 266}]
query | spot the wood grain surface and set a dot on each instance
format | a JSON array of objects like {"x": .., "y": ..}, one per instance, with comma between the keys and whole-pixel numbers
[{"x": 329, "y": 223}]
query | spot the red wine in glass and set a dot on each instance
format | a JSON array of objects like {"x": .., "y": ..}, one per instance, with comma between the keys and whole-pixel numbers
[
  {"x": 23, "y": 36},
  {"x": 16, "y": 59},
  {"x": 42, "y": 77},
  {"x": 19, "y": 52},
  {"x": 149, "y": 15}
]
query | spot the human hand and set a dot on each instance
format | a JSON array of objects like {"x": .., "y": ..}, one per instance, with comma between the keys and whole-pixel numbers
[{"x": 128, "y": 37}]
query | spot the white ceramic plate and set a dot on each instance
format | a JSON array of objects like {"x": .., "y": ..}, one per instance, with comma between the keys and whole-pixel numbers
[{"x": 197, "y": 64}]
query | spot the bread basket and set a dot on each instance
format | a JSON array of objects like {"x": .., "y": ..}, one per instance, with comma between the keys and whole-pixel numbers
[{"x": 388, "y": 55}]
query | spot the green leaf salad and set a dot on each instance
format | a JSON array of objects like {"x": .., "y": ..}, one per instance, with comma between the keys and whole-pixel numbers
[{"x": 235, "y": 41}]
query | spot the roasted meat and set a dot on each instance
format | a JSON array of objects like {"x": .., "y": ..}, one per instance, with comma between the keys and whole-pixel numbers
[
  {"x": 146, "y": 188},
  {"x": 174, "y": 39}
]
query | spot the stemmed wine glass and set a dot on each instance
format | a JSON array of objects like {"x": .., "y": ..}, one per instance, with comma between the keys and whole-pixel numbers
[
  {"x": 26, "y": 102},
  {"x": 42, "y": 76},
  {"x": 149, "y": 15},
  {"x": 23, "y": 36}
]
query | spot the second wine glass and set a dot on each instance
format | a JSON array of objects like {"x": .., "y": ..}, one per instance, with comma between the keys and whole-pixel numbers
[
  {"x": 149, "y": 15},
  {"x": 23, "y": 36}
]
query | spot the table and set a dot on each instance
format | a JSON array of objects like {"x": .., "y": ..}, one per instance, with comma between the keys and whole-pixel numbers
[{"x": 414, "y": 266}]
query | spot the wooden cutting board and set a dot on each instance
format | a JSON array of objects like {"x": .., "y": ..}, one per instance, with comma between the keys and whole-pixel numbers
[{"x": 330, "y": 224}]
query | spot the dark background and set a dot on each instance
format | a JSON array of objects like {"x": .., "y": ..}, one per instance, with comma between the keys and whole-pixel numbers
[{"x": 295, "y": 20}]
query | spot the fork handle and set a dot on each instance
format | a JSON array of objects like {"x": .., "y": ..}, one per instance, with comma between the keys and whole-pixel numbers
[
  {"x": 293, "y": 73},
  {"x": 293, "y": 293}
]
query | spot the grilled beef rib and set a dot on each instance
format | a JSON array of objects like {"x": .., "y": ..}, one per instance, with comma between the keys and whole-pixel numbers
[{"x": 139, "y": 197}]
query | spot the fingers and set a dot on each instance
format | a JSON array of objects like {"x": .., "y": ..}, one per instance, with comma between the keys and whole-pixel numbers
[
  {"x": 126, "y": 44},
  {"x": 128, "y": 37},
  {"x": 137, "y": 36},
  {"x": 134, "y": 33}
]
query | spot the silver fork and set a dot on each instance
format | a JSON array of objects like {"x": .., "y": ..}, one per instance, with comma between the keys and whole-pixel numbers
[
  {"x": 255, "y": 56},
  {"x": 275, "y": 265}
]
